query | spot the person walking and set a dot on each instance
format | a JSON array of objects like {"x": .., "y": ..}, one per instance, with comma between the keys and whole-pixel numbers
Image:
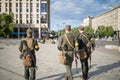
[
  {"x": 27, "y": 46},
  {"x": 82, "y": 47},
  {"x": 66, "y": 43}
]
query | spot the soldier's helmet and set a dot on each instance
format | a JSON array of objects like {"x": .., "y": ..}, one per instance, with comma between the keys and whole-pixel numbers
[{"x": 29, "y": 31}]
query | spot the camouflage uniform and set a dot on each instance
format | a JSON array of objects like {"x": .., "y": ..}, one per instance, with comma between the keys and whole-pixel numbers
[
  {"x": 64, "y": 45},
  {"x": 29, "y": 72},
  {"x": 83, "y": 52}
]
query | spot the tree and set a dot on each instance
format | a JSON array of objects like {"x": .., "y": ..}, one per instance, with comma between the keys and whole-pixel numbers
[
  {"x": 53, "y": 34},
  {"x": 89, "y": 29},
  {"x": 6, "y": 24},
  {"x": 109, "y": 31},
  {"x": 75, "y": 30},
  {"x": 101, "y": 31}
]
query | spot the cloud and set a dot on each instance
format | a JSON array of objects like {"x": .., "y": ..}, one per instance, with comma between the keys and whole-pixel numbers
[{"x": 74, "y": 11}]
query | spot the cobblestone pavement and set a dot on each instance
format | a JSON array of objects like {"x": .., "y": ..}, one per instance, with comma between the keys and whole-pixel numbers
[{"x": 105, "y": 63}]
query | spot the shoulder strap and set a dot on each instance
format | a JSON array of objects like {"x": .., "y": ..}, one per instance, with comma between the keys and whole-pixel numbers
[
  {"x": 68, "y": 41},
  {"x": 25, "y": 43},
  {"x": 85, "y": 37}
]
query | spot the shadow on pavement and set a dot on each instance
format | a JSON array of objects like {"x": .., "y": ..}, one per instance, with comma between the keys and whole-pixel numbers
[
  {"x": 11, "y": 71},
  {"x": 105, "y": 68},
  {"x": 60, "y": 76},
  {"x": 100, "y": 70}
]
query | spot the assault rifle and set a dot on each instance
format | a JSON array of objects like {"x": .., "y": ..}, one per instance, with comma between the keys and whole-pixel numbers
[{"x": 76, "y": 63}]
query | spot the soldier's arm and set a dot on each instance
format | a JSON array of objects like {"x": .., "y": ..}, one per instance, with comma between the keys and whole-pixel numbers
[
  {"x": 21, "y": 46},
  {"x": 36, "y": 46},
  {"x": 60, "y": 41}
]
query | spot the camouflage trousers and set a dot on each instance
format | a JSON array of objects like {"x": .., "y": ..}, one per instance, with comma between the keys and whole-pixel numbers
[
  {"x": 68, "y": 65},
  {"x": 84, "y": 63},
  {"x": 29, "y": 73}
]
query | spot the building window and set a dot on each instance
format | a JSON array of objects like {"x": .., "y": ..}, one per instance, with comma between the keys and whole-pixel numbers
[
  {"x": 37, "y": 4},
  {"x": 16, "y": 21},
  {"x": 20, "y": 4},
  {"x": 31, "y": 15},
  {"x": 16, "y": 4},
  {"x": 30, "y": 21},
  {"x": 31, "y": 10},
  {"x": 6, "y": 10},
  {"x": 27, "y": 21},
  {"x": 26, "y": 4},
  {"x": 37, "y": 21},
  {"x": 44, "y": 19},
  {"x": 31, "y": 5},
  {"x": 27, "y": 10},
  {"x": 37, "y": 10},
  {"x": 10, "y": 4},
  {"x": 20, "y": 15},
  {"x": 20, "y": 9},
  {"x": 37, "y": 0},
  {"x": 20, "y": 21},
  {"x": 43, "y": 7},
  {"x": 10, "y": 9},
  {"x": 6, "y": 5},
  {"x": 27, "y": 0},
  {"x": 16, "y": 9}
]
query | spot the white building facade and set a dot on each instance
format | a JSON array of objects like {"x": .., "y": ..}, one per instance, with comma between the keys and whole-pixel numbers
[
  {"x": 108, "y": 18},
  {"x": 87, "y": 21},
  {"x": 28, "y": 13}
]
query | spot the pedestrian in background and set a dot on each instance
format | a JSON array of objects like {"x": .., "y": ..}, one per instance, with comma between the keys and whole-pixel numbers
[
  {"x": 29, "y": 44},
  {"x": 66, "y": 43}
]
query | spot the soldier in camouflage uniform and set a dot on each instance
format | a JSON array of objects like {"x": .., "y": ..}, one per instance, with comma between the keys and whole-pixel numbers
[
  {"x": 83, "y": 51},
  {"x": 68, "y": 47},
  {"x": 29, "y": 72}
]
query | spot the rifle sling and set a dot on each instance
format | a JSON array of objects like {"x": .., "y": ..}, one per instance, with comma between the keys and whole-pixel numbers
[{"x": 68, "y": 41}]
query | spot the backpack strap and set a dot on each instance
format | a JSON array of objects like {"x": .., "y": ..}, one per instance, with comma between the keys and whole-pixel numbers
[
  {"x": 68, "y": 41},
  {"x": 85, "y": 37},
  {"x": 25, "y": 43}
]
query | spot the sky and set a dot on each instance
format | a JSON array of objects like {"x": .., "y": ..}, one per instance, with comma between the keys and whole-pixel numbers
[{"x": 72, "y": 12}]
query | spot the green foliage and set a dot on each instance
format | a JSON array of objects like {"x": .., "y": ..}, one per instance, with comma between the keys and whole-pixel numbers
[
  {"x": 103, "y": 31},
  {"x": 75, "y": 30},
  {"x": 109, "y": 31},
  {"x": 53, "y": 33},
  {"x": 89, "y": 29},
  {"x": 61, "y": 32},
  {"x": 6, "y": 24}
]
